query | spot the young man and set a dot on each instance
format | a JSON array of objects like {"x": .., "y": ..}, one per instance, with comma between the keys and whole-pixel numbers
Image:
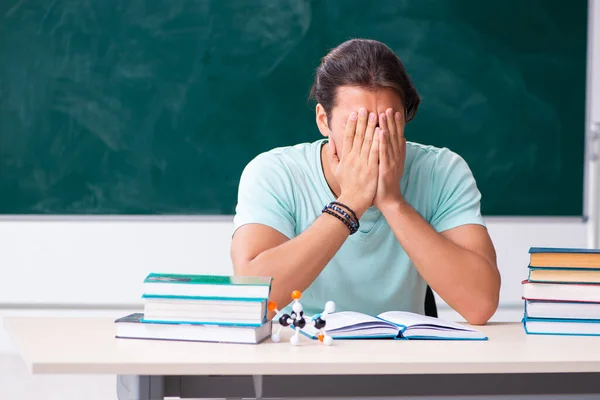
[{"x": 363, "y": 217}]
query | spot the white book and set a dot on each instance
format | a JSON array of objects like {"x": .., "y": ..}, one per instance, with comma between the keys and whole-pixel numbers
[
  {"x": 392, "y": 325},
  {"x": 560, "y": 291},
  {"x": 570, "y": 327},
  {"x": 133, "y": 327},
  {"x": 561, "y": 309},
  {"x": 205, "y": 311}
]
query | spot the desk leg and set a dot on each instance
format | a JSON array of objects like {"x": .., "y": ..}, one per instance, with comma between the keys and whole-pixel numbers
[
  {"x": 134, "y": 387},
  {"x": 257, "y": 381}
]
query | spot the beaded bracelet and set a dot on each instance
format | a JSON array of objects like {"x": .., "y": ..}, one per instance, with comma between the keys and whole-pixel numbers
[
  {"x": 346, "y": 207},
  {"x": 352, "y": 224},
  {"x": 350, "y": 227},
  {"x": 344, "y": 213}
]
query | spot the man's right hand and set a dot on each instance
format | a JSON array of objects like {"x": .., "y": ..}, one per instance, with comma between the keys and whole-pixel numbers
[{"x": 356, "y": 165}]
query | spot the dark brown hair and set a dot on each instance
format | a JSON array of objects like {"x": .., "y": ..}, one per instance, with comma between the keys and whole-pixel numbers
[{"x": 363, "y": 63}]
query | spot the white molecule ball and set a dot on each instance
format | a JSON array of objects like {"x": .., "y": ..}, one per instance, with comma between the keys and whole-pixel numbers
[
  {"x": 297, "y": 307},
  {"x": 329, "y": 307},
  {"x": 295, "y": 340},
  {"x": 327, "y": 340}
]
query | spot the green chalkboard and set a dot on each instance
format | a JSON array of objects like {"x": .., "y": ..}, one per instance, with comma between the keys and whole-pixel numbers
[{"x": 156, "y": 106}]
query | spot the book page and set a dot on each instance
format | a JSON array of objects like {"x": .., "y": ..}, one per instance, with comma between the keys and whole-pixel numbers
[
  {"x": 409, "y": 319},
  {"x": 351, "y": 323},
  {"x": 346, "y": 319}
]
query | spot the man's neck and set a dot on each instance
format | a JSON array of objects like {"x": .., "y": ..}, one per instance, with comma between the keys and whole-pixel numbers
[{"x": 331, "y": 181}]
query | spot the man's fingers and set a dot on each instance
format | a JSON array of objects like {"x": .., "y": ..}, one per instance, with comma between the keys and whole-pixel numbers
[
  {"x": 384, "y": 147},
  {"x": 374, "y": 152},
  {"x": 391, "y": 124},
  {"x": 369, "y": 133},
  {"x": 349, "y": 134},
  {"x": 392, "y": 132},
  {"x": 359, "y": 134},
  {"x": 399, "y": 125}
]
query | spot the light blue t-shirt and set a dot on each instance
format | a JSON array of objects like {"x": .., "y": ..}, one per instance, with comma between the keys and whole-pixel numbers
[{"x": 286, "y": 189}]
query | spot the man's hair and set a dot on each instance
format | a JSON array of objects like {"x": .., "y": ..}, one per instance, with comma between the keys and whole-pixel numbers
[{"x": 363, "y": 63}]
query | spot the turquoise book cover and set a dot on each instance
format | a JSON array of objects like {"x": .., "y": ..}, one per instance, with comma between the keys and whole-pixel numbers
[
  {"x": 208, "y": 279},
  {"x": 535, "y": 250}
]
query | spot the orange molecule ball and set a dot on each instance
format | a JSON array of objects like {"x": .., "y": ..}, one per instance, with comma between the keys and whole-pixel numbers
[
  {"x": 272, "y": 306},
  {"x": 296, "y": 294},
  {"x": 321, "y": 337}
]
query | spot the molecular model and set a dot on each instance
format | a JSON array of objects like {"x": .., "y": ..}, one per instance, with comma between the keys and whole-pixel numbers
[{"x": 297, "y": 320}]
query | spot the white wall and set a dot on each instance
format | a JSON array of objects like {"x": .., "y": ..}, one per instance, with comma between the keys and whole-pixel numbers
[{"x": 103, "y": 263}]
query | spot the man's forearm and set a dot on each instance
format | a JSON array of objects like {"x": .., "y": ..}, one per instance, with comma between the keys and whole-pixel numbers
[
  {"x": 463, "y": 278},
  {"x": 296, "y": 263}
]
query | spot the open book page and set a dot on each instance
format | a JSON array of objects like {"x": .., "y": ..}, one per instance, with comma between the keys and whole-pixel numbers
[
  {"x": 351, "y": 324},
  {"x": 424, "y": 327},
  {"x": 409, "y": 319},
  {"x": 349, "y": 319}
]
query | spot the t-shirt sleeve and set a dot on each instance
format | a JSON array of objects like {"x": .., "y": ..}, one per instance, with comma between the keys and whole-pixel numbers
[
  {"x": 265, "y": 195},
  {"x": 456, "y": 200}
]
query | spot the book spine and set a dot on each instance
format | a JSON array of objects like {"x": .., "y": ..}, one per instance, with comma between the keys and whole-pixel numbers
[{"x": 207, "y": 298}]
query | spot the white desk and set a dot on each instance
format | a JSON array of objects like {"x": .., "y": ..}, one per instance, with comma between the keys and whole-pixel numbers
[{"x": 157, "y": 368}]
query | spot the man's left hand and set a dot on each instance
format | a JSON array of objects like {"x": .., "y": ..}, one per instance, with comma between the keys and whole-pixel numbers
[{"x": 392, "y": 153}]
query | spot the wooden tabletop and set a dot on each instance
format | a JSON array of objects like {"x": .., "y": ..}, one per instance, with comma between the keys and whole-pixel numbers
[{"x": 88, "y": 346}]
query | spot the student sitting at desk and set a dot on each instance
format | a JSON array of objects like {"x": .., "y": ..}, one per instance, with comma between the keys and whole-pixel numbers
[{"x": 363, "y": 217}]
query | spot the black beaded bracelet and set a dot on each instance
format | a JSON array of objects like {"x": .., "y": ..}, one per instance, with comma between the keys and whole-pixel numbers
[
  {"x": 333, "y": 203},
  {"x": 350, "y": 227},
  {"x": 345, "y": 214},
  {"x": 351, "y": 223},
  {"x": 346, "y": 207}
]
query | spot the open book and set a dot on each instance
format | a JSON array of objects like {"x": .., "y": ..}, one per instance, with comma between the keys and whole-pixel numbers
[{"x": 392, "y": 325}]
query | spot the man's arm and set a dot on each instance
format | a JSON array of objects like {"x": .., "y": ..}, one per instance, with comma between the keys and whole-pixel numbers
[
  {"x": 453, "y": 253},
  {"x": 259, "y": 250},
  {"x": 459, "y": 264}
]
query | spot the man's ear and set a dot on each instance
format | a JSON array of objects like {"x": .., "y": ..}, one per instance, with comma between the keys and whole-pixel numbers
[{"x": 321, "y": 117}]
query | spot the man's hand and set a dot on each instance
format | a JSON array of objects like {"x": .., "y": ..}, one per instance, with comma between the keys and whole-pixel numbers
[
  {"x": 392, "y": 153},
  {"x": 356, "y": 166},
  {"x": 295, "y": 263}
]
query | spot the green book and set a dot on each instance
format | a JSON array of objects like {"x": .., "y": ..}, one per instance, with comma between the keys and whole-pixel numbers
[{"x": 243, "y": 288}]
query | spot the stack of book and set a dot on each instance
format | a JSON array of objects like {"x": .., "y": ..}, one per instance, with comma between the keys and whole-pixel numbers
[
  {"x": 562, "y": 292},
  {"x": 211, "y": 308}
]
